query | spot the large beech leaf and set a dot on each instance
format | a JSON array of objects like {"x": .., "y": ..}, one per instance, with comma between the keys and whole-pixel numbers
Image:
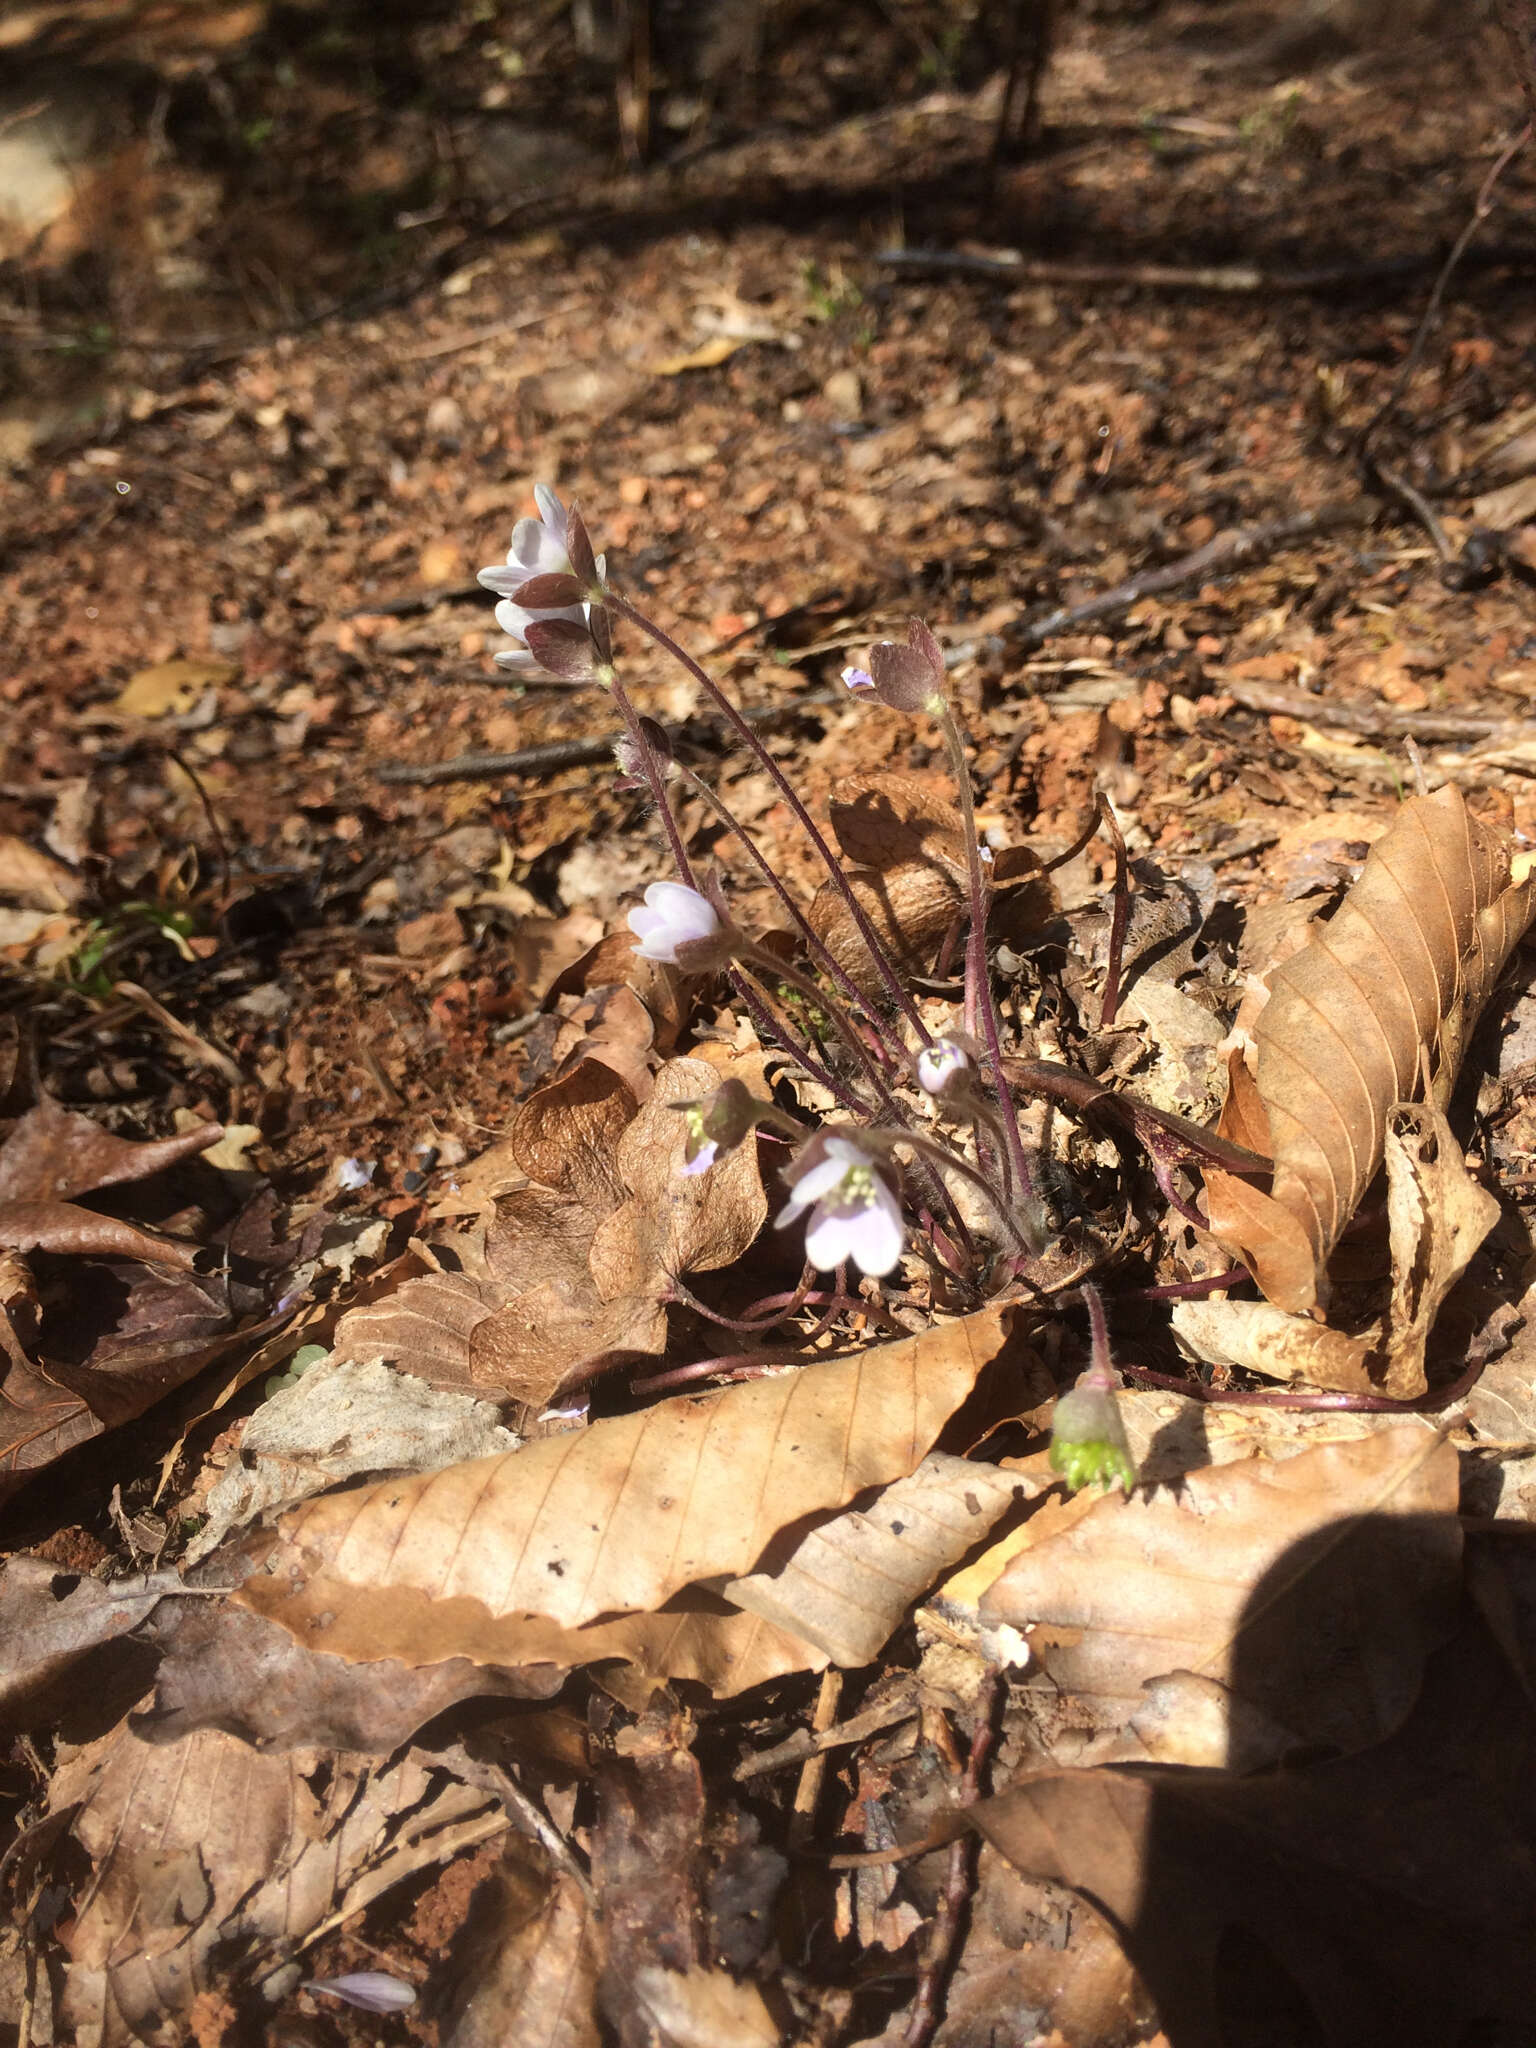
[
  {"x": 612, "y": 1520},
  {"x": 1385, "y": 992},
  {"x": 1166, "y": 1582}
]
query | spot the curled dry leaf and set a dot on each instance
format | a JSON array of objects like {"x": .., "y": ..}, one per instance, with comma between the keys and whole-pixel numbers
[
  {"x": 66, "y": 1227},
  {"x": 55, "y": 1155},
  {"x": 849, "y": 1581},
  {"x": 221, "y": 1667},
  {"x": 1387, "y": 990},
  {"x": 1140, "y": 1587},
  {"x": 613, "y": 1520},
  {"x": 1437, "y": 1216}
]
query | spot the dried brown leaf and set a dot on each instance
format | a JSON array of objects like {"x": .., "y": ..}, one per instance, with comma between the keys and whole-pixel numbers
[
  {"x": 65, "y": 1227},
  {"x": 1437, "y": 1216},
  {"x": 55, "y": 1155},
  {"x": 35, "y": 879},
  {"x": 50, "y": 1619},
  {"x": 847, "y": 1584},
  {"x": 207, "y": 1848},
  {"x": 886, "y": 820},
  {"x": 1166, "y": 1582},
  {"x": 530, "y": 1975},
  {"x": 222, "y": 1667},
  {"x": 1385, "y": 1896},
  {"x": 1389, "y": 987},
  {"x": 613, "y": 1519},
  {"x": 911, "y": 907},
  {"x": 566, "y": 1134}
]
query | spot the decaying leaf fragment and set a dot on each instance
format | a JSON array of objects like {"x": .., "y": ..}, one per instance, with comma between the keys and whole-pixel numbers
[
  {"x": 552, "y": 1551},
  {"x": 206, "y": 1850},
  {"x": 571, "y": 1274},
  {"x": 1384, "y": 993},
  {"x": 850, "y": 1580},
  {"x": 1381, "y": 1897}
]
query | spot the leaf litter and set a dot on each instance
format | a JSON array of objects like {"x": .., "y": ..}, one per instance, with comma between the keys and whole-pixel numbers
[{"x": 429, "y": 1683}]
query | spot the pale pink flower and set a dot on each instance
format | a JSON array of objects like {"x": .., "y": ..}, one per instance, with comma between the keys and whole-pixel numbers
[
  {"x": 941, "y": 1066},
  {"x": 674, "y": 916},
  {"x": 539, "y": 548},
  {"x": 854, "y": 1213}
]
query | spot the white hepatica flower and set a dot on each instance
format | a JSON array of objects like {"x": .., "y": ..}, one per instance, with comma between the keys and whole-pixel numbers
[
  {"x": 854, "y": 1214},
  {"x": 538, "y": 549},
  {"x": 673, "y": 916}
]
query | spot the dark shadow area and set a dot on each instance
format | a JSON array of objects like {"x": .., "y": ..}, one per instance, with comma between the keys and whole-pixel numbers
[{"x": 1345, "y": 1897}]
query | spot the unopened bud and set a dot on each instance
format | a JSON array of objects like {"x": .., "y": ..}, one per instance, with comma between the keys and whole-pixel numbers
[
  {"x": 1088, "y": 1442},
  {"x": 942, "y": 1067},
  {"x": 629, "y": 753},
  {"x": 718, "y": 1123}
]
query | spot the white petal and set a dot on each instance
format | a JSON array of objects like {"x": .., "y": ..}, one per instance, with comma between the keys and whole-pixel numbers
[
  {"x": 876, "y": 1235},
  {"x": 551, "y": 511},
  {"x": 829, "y": 1239},
  {"x": 820, "y": 1180},
  {"x": 655, "y": 941}
]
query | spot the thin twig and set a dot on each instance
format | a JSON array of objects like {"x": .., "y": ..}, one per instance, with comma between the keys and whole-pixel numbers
[
  {"x": 1458, "y": 249},
  {"x": 548, "y": 757},
  {"x": 1374, "y": 721}
]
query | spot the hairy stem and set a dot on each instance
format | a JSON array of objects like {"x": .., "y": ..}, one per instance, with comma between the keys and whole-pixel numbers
[
  {"x": 977, "y": 977},
  {"x": 802, "y": 816}
]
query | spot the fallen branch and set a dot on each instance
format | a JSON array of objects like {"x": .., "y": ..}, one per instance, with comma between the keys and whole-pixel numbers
[
  {"x": 550, "y": 756},
  {"x": 1237, "y": 549},
  {"x": 1373, "y": 721}
]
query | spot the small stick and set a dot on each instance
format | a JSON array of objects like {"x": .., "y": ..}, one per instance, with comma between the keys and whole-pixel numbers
[
  {"x": 1480, "y": 210},
  {"x": 1219, "y": 557},
  {"x": 1119, "y": 917},
  {"x": 211, "y": 1055},
  {"x": 802, "y": 1819}
]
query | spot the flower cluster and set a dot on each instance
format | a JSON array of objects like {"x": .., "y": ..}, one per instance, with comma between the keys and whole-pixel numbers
[{"x": 856, "y": 1032}]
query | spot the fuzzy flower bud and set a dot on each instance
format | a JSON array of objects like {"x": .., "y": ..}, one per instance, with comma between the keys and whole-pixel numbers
[
  {"x": 943, "y": 1067},
  {"x": 1088, "y": 1444},
  {"x": 854, "y": 1212},
  {"x": 718, "y": 1123},
  {"x": 909, "y": 678}
]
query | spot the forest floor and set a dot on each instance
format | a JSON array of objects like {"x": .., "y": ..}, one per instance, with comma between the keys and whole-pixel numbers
[{"x": 283, "y": 851}]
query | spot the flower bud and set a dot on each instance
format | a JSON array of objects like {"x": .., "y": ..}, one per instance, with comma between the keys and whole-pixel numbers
[
  {"x": 942, "y": 1067},
  {"x": 1088, "y": 1443},
  {"x": 718, "y": 1123}
]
